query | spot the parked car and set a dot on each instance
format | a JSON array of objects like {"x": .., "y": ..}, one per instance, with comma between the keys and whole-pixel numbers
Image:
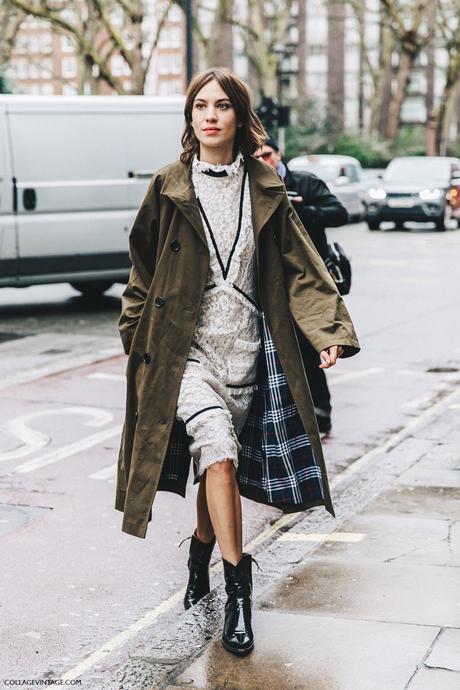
[
  {"x": 416, "y": 188},
  {"x": 73, "y": 172},
  {"x": 342, "y": 174}
]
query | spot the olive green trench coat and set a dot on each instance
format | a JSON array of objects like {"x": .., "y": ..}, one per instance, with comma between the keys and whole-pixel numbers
[{"x": 160, "y": 306}]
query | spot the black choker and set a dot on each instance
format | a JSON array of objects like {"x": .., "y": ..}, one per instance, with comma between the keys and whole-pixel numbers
[{"x": 214, "y": 173}]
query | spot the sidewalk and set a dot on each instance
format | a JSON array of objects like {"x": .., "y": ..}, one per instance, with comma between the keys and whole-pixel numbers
[{"x": 369, "y": 601}]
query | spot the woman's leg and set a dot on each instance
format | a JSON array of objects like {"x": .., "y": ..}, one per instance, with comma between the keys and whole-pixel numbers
[
  {"x": 224, "y": 509},
  {"x": 204, "y": 528}
]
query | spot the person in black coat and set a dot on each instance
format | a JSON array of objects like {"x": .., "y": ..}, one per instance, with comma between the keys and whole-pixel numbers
[{"x": 317, "y": 208}]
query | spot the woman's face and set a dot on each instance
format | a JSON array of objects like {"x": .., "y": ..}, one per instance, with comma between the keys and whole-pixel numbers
[{"x": 213, "y": 117}]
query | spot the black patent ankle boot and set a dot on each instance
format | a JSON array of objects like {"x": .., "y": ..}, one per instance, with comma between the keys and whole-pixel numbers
[
  {"x": 198, "y": 565},
  {"x": 237, "y": 636}
]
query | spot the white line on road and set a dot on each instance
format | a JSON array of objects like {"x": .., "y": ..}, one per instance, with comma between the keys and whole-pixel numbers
[
  {"x": 106, "y": 377},
  {"x": 58, "y": 366},
  {"x": 144, "y": 622},
  {"x": 106, "y": 472},
  {"x": 67, "y": 451},
  {"x": 347, "y": 537},
  {"x": 33, "y": 440}
]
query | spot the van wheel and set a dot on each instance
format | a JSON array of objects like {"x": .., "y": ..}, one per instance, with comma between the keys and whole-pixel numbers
[
  {"x": 92, "y": 288},
  {"x": 373, "y": 224}
]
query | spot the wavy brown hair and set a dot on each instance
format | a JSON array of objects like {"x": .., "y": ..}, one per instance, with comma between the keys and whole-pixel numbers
[{"x": 249, "y": 137}]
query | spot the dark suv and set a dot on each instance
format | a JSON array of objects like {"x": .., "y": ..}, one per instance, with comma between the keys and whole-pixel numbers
[{"x": 416, "y": 188}]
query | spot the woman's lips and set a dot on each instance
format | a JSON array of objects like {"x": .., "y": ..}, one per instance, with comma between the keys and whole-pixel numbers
[{"x": 211, "y": 130}]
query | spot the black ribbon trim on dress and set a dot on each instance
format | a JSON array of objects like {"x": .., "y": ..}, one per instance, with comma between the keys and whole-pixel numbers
[
  {"x": 225, "y": 270},
  {"x": 254, "y": 304},
  {"x": 205, "y": 409}
]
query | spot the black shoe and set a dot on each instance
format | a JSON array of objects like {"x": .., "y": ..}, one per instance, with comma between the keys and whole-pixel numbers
[
  {"x": 198, "y": 565},
  {"x": 237, "y": 636},
  {"x": 323, "y": 419}
]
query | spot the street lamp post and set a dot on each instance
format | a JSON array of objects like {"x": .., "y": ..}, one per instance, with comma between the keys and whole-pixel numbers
[
  {"x": 280, "y": 50},
  {"x": 188, "y": 39}
]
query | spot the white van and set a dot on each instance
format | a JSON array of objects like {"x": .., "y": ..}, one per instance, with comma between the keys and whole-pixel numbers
[{"x": 73, "y": 171}]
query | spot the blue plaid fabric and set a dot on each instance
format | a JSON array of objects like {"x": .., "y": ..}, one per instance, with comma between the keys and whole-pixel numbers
[{"x": 277, "y": 465}]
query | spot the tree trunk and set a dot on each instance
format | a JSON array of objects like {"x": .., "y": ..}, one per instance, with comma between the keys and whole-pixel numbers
[
  {"x": 220, "y": 50},
  {"x": 394, "y": 110},
  {"x": 335, "y": 63},
  {"x": 302, "y": 56}
]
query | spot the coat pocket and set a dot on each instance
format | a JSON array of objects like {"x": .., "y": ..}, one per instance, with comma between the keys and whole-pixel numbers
[{"x": 242, "y": 364}]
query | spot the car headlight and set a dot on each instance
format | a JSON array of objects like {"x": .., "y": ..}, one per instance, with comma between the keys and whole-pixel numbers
[
  {"x": 377, "y": 193},
  {"x": 430, "y": 194}
]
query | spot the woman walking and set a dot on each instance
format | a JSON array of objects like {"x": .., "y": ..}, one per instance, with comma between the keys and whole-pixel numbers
[{"x": 221, "y": 267}]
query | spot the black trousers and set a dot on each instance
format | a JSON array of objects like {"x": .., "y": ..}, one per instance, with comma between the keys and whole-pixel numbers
[{"x": 315, "y": 376}]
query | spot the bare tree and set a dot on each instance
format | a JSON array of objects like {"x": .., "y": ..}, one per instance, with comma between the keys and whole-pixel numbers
[
  {"x": 11, "y": 19},
  {"x": 90, "y": 25},
  {"x": 449, "y": 28},
  {"x": 407, "y": 21},
  {"x": 264, "y": 31}
]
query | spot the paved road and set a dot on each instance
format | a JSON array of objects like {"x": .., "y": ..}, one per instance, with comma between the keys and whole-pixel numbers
[{"x": 78, "y": 579}]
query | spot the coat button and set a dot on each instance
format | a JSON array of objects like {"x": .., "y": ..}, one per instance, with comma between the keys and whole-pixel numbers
[
  {"x": 147, "y": 359},
  {"x": 159, "y": 301},
  {"x": 175, "y": 245}
]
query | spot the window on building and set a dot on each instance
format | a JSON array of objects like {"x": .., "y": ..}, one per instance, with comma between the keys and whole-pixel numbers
[
  {"x": 34, "y": 45},
  {"x": 175, "y": 14},
  {"x": 69, "y": 90},
  {"x": 116, "y": 16},
  {"x": 46, "y": 68},
  {"x": 34, "y": 70},
  {"x": 47, "y": 89},
  {"x": 22, "y": 45},
  {"x": 170, "y": 87},
  {"x": 34, "y": 89},
  {"x": 67, "y": 45},
  {"x": 170, "y": 37},
  {"x": 46, "y": 43},
  {"x": 120, "y": 67},
  {"x": 22, "y": 69},
  {"x": 169, "y": 64},
  {"x": 69, "y": 67}
]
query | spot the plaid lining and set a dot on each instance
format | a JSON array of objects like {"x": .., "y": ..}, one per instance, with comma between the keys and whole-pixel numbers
[{"x": 276, "y": 456}]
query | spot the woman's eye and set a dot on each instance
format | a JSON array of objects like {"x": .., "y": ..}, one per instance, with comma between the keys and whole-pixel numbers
[{"x": 224, "y": 106}]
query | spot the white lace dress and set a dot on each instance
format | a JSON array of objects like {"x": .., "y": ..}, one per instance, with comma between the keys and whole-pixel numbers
[{"x": 220, "y": 373}]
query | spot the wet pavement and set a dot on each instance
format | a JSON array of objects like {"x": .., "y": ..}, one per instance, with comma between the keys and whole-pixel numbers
[
  {"x": 370, "y": 600},
  {"x": 104, "y": 608}
]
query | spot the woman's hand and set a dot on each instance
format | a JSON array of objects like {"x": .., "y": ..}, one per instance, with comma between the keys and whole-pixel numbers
[{"x": 329, "y": 356}]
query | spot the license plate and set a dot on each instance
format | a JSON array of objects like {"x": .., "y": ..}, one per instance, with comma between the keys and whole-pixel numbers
[{"x": 403, "y": 202}]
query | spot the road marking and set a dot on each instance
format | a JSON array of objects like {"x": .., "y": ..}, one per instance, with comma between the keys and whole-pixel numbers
[
  {"x": 70, "y": 363},
  {"x": 144, "y": 622},
  {"x": 106, "y": 377},
  {"x": 339, "y": 378},
  {"x": 106, "y": 472},
  {"x": 350, "y": 537},
  {"x": 33, "y": 440},
  {"x": 67, "y": 451}
]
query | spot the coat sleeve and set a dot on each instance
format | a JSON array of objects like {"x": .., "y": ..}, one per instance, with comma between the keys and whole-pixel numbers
[
  {"x": 315, "y": 303},
  {"x": 143, "y": 245}
]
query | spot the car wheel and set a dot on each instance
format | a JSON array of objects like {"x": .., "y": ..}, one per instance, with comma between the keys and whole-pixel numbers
[
  {"x": 442, "y": 224},
  {"x": 373, "y": 224},
  {"x": 92, "y": 288}
]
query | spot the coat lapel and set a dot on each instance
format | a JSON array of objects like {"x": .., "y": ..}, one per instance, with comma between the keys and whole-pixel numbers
[{"x": 266, "y": 192}]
